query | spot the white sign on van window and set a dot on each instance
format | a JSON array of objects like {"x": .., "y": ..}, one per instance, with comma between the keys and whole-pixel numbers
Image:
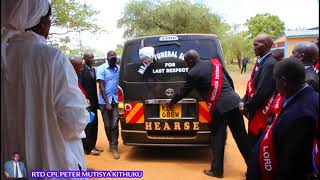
[
  {"x": 170, "y": 67},
  {"x": 168, "y": 38},
  {"x": 169, "y": 70},
  {"x": 143, "y": 68},
  {"x": 169, "y": 54}
]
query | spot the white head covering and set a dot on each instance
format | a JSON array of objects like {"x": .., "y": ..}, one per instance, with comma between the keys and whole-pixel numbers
[
  {"x": 24, "y": 15},
  {"x": 146, "y": 52}
]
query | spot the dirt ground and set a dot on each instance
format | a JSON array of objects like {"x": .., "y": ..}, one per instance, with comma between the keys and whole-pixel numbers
[{"x": 172, "y": 163}]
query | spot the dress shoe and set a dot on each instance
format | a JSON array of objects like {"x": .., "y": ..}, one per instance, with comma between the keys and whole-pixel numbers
[
  {"x": 94, "y": 152},
  {"x": 99, "y": 150},
  {"x": 212, "y": 173},
  {"x": 115, "y": 152}
]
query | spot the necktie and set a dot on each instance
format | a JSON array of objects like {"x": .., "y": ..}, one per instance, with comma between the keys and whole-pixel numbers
[
  {"x": 16, "y": 170},
  {"x": 91, "y": 70}
]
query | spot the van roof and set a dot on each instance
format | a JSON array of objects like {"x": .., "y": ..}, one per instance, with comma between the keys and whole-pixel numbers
[{"x": 193, "y": 36}]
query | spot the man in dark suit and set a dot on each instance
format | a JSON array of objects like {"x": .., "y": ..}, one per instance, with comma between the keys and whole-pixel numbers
[
  {"x": 308, "y": 53},
  {"x": 224, "y": 111},
  {"x": 285, "y": 150},
  {"x": 87, "y": 80},
  {"x": 15, "y": 168},
  {"x": 260, "y": 88}
]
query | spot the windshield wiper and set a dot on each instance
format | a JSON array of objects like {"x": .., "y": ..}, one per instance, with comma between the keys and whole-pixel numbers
[{"x": 166, "y": 44}]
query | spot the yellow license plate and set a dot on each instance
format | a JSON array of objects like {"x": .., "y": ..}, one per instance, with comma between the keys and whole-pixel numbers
[{"x": 173, "y": 112}]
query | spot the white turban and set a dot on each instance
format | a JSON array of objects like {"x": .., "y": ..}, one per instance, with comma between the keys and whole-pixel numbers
[
  {"x": 146, "y": 52},
  {"x": 23, "y": 15}
]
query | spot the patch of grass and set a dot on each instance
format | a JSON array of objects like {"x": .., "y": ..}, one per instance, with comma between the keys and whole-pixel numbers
[
  {"x": 235, "y": 67},
  {"x": 239, "y": 80}
]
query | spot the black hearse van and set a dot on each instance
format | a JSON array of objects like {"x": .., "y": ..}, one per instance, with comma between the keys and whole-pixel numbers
[{"x": 145, "y": 121}]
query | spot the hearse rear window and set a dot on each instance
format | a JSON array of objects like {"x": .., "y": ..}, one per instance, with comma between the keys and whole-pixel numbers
[{"x": 168, "y": 64}]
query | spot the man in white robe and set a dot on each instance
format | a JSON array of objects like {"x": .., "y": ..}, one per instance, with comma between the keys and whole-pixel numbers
[{"x": 43, "y": 111}]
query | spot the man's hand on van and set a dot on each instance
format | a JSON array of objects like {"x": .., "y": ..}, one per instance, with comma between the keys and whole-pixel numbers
[
  {"x": 108, "y": 106},
  {"x": 146, "y": 61}
]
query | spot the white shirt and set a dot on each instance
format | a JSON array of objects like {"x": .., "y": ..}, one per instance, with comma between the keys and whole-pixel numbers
[
  {"x": 16, "y": 164},
  {"x": 43, "y": 111}
]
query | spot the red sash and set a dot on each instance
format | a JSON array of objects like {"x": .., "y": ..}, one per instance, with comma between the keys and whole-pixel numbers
[
  {"x": 82, "y": 90},
  {"x": 216, "y": 84},
  {"x": 316, "y": 68},
  {"x": 267, "y": 159},
  {"x": 261, "y": 115},
  {"x": 277, "y": 105}
]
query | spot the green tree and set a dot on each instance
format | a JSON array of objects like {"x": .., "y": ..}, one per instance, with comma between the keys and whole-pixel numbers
[
  {"x": 265, "y": 23},
  {"x": 237, "y": 44},
  {"x": 119, "y": 49},
  {"x": 71, "y": 17},
  {"x": 146, "y": 17},
  {"x": 80, "y": 52}
]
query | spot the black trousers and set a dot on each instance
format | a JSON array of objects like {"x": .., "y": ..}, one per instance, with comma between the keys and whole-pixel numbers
[
  {"x": 244, "y": 68},
  {"x": 234, "y": 120},
  {"x": 91, "y": 130}
]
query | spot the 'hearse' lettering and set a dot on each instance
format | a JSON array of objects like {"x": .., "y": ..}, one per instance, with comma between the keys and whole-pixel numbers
[{"x": 175, "y": 126}]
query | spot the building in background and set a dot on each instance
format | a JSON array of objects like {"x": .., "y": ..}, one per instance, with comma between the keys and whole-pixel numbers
[{"x": 289, "y": 39}]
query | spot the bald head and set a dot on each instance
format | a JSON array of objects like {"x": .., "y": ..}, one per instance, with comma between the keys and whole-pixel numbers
[
  {"x": 266, "y": 38},
  {"x": 307, "y": 52},
  {"x": 289, "y": 75},
  {"x": 262, "y": 44},
  {"x": 191, "y": 57},
  {"x": 77, "y": 64},
  {"x": 88, "y": 58},
  {"x": 278, "y": 54},
  {"x": 75, "y": 60}
]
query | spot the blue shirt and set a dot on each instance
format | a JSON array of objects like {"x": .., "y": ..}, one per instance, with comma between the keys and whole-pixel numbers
[
  {"x": 244, "y": 61},
  {"x": 10, "y": 169},
  {"x": 111, "y": 77},
  {"x": 261, "y": 59}
]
